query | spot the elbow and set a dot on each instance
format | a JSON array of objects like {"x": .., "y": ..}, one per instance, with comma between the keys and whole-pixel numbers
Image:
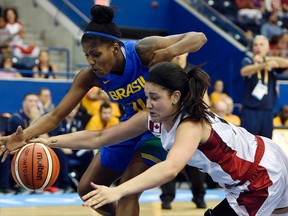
[
  {"x": 203, "y": 38},
  {"x": 172, "y": 172}
]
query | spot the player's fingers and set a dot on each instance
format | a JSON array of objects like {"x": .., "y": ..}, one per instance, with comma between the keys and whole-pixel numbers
[
  {"x": 13, "y": 152},
  {"x": 6, "y": 153},
  {"x": 2, "y": 149},
  {"x": 99, "y": 204},
  {"x": 87, "y": 196}
]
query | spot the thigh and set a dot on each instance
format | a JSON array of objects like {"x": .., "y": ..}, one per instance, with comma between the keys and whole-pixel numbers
[{"x": 136, "y": 167}]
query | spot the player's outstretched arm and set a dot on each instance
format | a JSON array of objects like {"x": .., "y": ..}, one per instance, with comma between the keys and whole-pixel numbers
[
  {"x": 187, "y": 139},
  {"x": 50, "y": 121},
  {"x": 89, "y": 139}
]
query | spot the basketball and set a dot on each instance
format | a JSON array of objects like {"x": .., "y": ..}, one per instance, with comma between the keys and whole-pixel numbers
[{"x": 35, "y": 167}]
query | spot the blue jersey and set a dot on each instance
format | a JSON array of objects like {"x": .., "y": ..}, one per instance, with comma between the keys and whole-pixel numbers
[{"x": 128, "y": 89}]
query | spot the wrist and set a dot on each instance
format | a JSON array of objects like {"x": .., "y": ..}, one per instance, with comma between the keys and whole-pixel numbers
[{"x": 52, "y": 141}]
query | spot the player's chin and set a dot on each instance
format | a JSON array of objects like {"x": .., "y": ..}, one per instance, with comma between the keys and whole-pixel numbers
[
  {"x": 99, "y": 73},
  {"x": 155, "y": 117}
]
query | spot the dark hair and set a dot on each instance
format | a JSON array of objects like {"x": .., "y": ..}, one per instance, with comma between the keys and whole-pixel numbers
[
  {"x": 6, "y": 11},
  {"x": 102, "y": 22},
  {"x": 40, "y": 90},
  {"x": 104, "y": 105},
  {"x": 28, "y": 94},
  {"x": 192, "y": 86}
]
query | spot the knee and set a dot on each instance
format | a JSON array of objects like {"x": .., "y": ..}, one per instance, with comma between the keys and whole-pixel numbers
[
  {"x": 129, "y": 199},
  {"x": 83, "y": 188}
]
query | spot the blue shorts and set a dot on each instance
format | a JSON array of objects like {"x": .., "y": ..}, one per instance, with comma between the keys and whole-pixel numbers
[{"x": 118, "y": 156}]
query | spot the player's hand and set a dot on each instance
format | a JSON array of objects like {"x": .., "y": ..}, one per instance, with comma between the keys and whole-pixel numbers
[
  {"x": 160, "y": 56},
  {"x": 102, "y": 195},
  {"x": 8, "y": 144}
]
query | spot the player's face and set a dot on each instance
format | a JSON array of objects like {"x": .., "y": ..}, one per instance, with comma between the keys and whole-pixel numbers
[
  {"x": 101, "y": 58},
  {"x": 160, "y": 103}
]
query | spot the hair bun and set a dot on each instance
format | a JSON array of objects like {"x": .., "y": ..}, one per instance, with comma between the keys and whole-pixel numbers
[{"x": 102, "y": 14}]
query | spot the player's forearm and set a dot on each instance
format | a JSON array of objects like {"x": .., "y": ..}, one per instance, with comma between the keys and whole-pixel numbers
[
  {"x": 191, "y": 42},
  {"x": 153, "y": 177},
  {"x": 86, "y": 139},
  {"x": 40, "y": 126}
]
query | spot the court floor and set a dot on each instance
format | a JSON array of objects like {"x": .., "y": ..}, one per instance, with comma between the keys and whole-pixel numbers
[{"x": 70, "y": 204}]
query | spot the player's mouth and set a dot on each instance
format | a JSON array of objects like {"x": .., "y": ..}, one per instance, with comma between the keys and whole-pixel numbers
[{"x": 99, "y": 73}]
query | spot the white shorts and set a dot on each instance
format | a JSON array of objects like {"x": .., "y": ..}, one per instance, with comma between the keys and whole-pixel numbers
[{"x": 268, "y": 185}]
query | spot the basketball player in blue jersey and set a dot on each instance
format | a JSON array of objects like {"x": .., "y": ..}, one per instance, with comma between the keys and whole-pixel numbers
[{"x": 120, "y": 68}]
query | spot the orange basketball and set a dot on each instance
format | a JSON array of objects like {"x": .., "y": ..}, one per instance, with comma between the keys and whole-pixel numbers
[{"x": 35, "y": 167}]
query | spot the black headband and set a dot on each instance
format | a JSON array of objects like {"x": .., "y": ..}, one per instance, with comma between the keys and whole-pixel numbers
[{"x": 159, "y": 80}]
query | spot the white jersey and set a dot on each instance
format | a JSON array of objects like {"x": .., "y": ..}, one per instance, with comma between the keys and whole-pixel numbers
[{"x": 229, "y": 154}]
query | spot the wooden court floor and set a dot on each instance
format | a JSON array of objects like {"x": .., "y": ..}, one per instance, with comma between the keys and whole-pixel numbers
[{"x": 147, "y": 209}]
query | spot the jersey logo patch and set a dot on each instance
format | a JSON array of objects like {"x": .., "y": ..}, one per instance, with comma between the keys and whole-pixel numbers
[{"x": 155, "y": 128}]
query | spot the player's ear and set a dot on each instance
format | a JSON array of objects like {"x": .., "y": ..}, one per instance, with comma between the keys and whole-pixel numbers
[
  {"x": 115, "y": 48},
  {"x": 176, "y": 97}
]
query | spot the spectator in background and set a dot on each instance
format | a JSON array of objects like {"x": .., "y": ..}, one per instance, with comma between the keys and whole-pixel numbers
[
  {"x": 45, "y": 101},
  {"x": 260, "y": 95},
  {"x": 7, "y": 69},
  {"x": 43, "y": 67},
  {"x": 281, "y": 120},
  {"x": 271, "y": 28},
  {"x": 93, "y": 100},
  {"x": 250, "y": 11},
  {"x": 220, "y": 108},
  {"x": 104, "y": 119},
  {"x": 284, "y": 15},
  {"x": 229, "y": 116},
  {"x": 5, "y": 38},
  {"x": 217, "y": 94},
  {"x": 273, "y": 6},
  {"x": 83, "y": 115},
  {"x": 16, "y": 30},
  {"x": 26, "y": 115},
  {"x": 279, "y": 45}
]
